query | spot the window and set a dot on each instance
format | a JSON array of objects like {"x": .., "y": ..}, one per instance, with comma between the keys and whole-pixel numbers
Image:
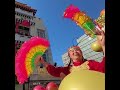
[
  {"x": 18, "y": 45},
  {"x": 21, "y": 27},
  {"x": 41, "y": 33},
  {"x": 24, "y": 30}
]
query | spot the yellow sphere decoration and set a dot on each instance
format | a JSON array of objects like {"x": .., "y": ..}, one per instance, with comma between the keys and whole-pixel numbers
[
  {"x": 95, "y": 46},
  {"x": 83, "y": 80}
]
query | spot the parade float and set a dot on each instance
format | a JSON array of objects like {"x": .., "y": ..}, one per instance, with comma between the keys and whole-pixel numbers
[{"x": 80, "y": 79}]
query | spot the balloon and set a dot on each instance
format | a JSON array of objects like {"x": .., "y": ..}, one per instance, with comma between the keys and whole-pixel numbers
[
  {"x": 52, "y": 86},
  {"x": 102, "y": 12},
  {"x": 83, "y": 80},
  {"x": 39, "y": 87},
  {"x": 96, "y": 47}
]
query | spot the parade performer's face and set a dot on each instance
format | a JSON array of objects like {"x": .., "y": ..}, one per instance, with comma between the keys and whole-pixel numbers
[{"x": 75, "y": 53}]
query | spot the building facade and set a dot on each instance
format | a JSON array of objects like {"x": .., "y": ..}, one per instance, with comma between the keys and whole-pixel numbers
[
  {"x": 66, "y": 59},
  {"x": 28, "y": 25},
  {"x": 84, "y": 42}
]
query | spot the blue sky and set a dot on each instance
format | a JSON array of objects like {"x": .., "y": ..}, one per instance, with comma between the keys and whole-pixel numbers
[{"x": 63, "y": 32}]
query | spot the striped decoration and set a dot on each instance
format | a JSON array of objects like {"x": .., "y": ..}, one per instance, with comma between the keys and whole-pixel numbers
[{"x": 25, "y": 57}]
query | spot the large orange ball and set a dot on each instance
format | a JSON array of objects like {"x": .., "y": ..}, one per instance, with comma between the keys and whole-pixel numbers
[{"x": 96, "y": 47}]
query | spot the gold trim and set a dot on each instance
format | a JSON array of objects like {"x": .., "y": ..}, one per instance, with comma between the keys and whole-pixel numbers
[{"x": 83, "y": 66}]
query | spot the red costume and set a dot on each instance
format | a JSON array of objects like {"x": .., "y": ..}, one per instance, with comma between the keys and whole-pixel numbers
[{"x": 89, "y": 64}]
